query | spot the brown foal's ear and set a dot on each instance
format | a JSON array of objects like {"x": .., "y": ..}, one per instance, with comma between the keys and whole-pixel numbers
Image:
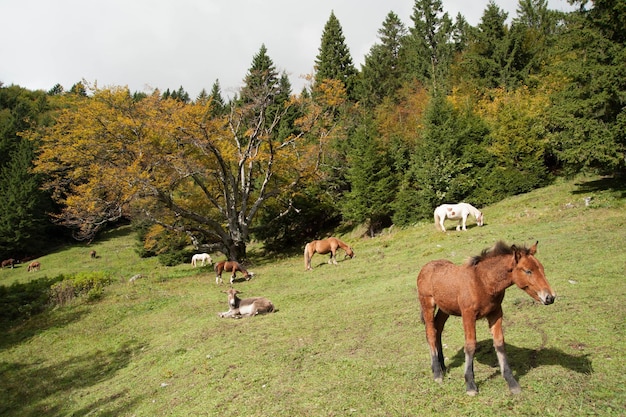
[
  {"x": 533, "y": 248},
  {"x": 517, "y": 254}
]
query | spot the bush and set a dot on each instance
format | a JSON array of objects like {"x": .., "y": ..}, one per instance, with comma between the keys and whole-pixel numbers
[
  {"x": 87, "y": 284},
  {"x": 174, "y": 257}
]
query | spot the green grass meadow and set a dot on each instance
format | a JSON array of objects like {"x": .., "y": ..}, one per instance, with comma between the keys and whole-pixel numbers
[{"x": 346, "y": 340}]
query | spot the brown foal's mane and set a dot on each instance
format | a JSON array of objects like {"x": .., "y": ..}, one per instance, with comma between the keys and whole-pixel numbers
[{"x": 499, "y": 249}]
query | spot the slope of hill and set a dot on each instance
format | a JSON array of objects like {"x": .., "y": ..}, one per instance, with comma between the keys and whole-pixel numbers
[{"x": 347, "y": 339}]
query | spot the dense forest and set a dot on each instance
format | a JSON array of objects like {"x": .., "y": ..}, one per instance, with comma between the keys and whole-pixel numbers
[{"x": 440, "y": 111}]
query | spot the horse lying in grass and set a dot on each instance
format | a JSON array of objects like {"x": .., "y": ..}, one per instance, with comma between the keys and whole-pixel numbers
[
  {"x": 323, "y": 247},
  {"x": 473, "y": 291},
  {"x": 231, "y": 266},
  {"x": 246, "y": 307},
  {"x": 458, "y": 212}
]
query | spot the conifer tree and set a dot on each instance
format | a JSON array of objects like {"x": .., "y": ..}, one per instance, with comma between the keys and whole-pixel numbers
[
  {"x": 23, "y": 220},
  {"x": 261, "y": 81},
  {"x": 381, "y": 74},
  {"x": 23, "y": 206},
  {"x": 333, "y": 62},
  {"x": 218, "y": 106},
  {"x": 372, "y": 183},
  {"x": 429, "y": 47},
  {"x": 588, "y": 115}
]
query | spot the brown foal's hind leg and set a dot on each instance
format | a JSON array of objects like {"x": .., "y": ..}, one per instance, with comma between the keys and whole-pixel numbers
[
  {"x": 469, "y": 325},
  {"x": 436, "y": 356},
  {"x": 440, "y": 322}
]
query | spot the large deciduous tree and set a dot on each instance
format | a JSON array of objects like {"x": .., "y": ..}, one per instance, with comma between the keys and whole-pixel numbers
[{"x": 174, "y": 163}]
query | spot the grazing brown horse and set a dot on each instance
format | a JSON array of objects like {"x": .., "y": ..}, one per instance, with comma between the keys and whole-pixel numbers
[
  {"x": 231, "y": 266},
  {"x": 92, "y": 254},
  {"x": 323, "y": 247},
  {"x": 473, "y": 291},
  {"x": 34, "y": 266},
  {"x": 8, "y": 262}
]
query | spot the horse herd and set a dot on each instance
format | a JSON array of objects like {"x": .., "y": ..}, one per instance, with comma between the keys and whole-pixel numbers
[
  {"x": 10, "y": 263},
  {"x": 473, "y": 290}
]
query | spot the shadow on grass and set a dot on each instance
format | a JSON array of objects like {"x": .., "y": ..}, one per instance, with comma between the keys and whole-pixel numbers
[
  {"x": 20, "y": 332},
  {"x": 30, "y": 389},
  {"x": 22, "y": 306},
  {"x": 614, "y": 184},
  {"x": 522, "y": 360}
]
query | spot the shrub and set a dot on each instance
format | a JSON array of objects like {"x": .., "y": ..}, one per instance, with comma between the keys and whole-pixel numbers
[{"x": 88, "y": 284}]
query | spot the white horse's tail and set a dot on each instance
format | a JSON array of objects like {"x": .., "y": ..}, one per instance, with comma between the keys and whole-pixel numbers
[
  {"x": 307, "y": 258},
  {"x": 437, "y": 219}
]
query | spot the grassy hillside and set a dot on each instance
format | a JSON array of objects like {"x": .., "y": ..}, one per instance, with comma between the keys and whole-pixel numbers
[{"x": 347, "y": 339}]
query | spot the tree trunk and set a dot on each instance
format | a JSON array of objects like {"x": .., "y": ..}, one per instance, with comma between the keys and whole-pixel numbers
[{"x": 236, "y": 251}]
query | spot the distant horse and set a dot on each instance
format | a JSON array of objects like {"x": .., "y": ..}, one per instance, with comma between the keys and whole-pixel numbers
[
  {"x": 92, "y": 254},
  {"x": 231, "y": 266},
  {"x": 202, "y": 257},
  {"x": 247, "y": 307},
  {"x": 323, "y": 247},
  {"x": 473, "y": 291},
  {"x": 34, "y": 266},
  {"x": 458, "y": 211},
  {"x": 8, "y": 263}
]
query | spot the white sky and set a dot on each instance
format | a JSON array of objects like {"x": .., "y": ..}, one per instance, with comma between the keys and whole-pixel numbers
[{"x": 147, "y": 44}]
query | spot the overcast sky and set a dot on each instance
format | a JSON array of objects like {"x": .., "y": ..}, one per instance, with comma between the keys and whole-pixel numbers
[{"x": 147, "y": 44}]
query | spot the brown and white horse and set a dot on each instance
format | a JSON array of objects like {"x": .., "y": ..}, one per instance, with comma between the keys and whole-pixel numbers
[
  {"x": 231, "y": 266},
  {"x": 323, "y": 247},
  {"x": 458, "y": 212}
]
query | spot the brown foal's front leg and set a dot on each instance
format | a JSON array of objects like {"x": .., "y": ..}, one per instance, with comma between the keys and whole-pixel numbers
[{"x": 495, "y": 325}]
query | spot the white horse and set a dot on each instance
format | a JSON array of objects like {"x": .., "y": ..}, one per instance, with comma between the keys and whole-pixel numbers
[
  {"x": 458, "y": 211},
  {"x": 202, "y": 257}
]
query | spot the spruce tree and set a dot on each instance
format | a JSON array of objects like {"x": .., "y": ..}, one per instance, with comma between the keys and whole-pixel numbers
[
  {"x": 23, "y": 206},
  {"x": 429, "y": 46},
  {"x": 218, "y": 106},
  {"x": 372, "y": 184},
  {"x": 381, "y": 74},
  {"x": 333, "y": 60},
  {"x": 23, "y": 219},
  {"x": 588, "y": 116}
]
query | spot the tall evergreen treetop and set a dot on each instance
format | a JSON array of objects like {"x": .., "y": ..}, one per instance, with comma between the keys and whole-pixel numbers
[
  {"x": 381, "y": 73},
  {"x": 429, "y": 44},
  {"x": 333, "y": 60},
  {"x": 262, "y": 78}
]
